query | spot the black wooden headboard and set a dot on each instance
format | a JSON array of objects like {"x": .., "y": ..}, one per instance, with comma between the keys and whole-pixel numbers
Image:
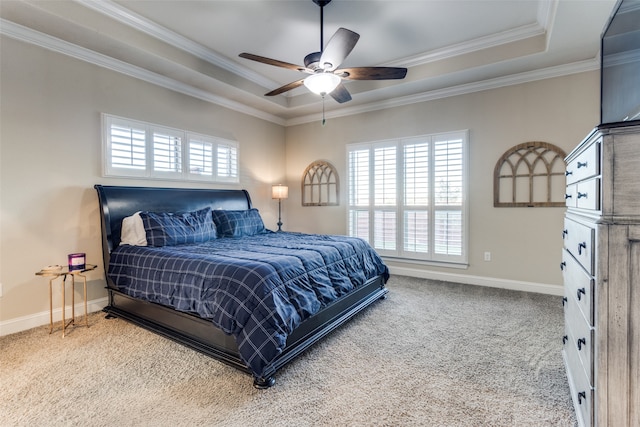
[{"x": 117, "y": 203}]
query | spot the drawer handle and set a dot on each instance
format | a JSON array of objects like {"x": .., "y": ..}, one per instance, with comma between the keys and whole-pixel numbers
[
  {"x": 581, "y": 292},
  {"x": 582, "y": 395},
  {"x": 582, "y": 195},
  {"x": 565, "y": 339},
  {"x": 563, "y": 265},
  {"x": 567, "y": 173},
  {"x": 581, "y": 342},
  {"x": 567, "y": 196},
  {"x": 582, "y": 165},
  {"x": 564, "y": 301},
  {"x": 581, "y": 246},
  {"x": 564, "y": 233}
]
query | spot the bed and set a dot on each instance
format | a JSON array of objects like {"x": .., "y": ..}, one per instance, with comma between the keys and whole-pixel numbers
[{"x": 249, "y": 297}]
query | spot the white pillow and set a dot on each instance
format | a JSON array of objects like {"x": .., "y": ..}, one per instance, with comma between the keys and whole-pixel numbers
[{"x": 133, "y": 231}]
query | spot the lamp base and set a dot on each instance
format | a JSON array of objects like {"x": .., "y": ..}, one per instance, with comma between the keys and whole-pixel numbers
[{"x": 279, "y": 214}]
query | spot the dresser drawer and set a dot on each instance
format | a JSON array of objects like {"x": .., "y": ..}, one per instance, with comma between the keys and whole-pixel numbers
[
  {"x": 588, "y": 194},
  {"x": 581, "y": 337},
  {"x": 571, "y": 196},
  {"x": 579, "y": 285},
  {"x": 585, "y": 165},
  {"x": 582, "y": 393},
  {"x": 579, "y": 240},
  {"x": 583, "y": 195}
]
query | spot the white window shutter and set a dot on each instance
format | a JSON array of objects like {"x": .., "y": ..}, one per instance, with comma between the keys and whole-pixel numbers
[
  {"x": 448, "y": 172},
  {"x": 200, "y": 157},
  {"x": 227, "y": 162},
  {"x": 449, "y": 196},
  {"x": 416, "y": 174},
  {"x": 385, "y": 190},
  {"x": 137, "y": 149},
  {"x": 416, "y": 231},
  {"x": 359, "y": 177},
  {"x": 416, "y": 198},
  {"x": 125, "y": 147},
  {"x": 167, "y": 153},
  {"x": 385, "y": 176},
  {"x": 409, "y": 196},
  {"x": 359, "y": 224}
]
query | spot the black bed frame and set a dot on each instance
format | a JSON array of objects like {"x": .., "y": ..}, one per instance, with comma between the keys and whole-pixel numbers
[{"x": 200, "y": 334}]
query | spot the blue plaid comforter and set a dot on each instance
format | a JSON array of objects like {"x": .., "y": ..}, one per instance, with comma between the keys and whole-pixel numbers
[{"x": 258, "y": 288}]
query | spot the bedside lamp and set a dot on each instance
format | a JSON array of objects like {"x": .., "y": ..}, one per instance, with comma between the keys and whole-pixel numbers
[{"x": 279, "y": 192}]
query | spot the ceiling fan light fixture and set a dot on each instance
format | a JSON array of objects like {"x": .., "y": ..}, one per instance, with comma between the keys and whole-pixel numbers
[
  {"x": 322, "y": 83},
  {"x": 325, "y": 77}
]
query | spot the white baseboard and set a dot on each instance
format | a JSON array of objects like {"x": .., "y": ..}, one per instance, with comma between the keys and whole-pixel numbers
[
  {"x": 516, "y": 285},
  {"x": 27, "y": 322},
  {"x": 23, "y": 323}
]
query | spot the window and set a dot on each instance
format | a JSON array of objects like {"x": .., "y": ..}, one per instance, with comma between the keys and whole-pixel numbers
[
  {"x": 138, "y": 149},
  {"x": 408, "y": 197}
]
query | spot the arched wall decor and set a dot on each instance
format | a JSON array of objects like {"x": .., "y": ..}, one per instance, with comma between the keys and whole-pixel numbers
[
  {"x": 530, "y": 174},
  {"x": 320, "y": 185}
]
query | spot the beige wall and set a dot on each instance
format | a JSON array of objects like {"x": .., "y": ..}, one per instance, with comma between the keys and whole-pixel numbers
[
  {"x": 51, "y": 158},
  {"x": 525, "y": 243}
]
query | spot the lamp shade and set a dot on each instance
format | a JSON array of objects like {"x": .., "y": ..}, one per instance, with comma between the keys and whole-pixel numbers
[
  {"x": 322, "y": 83},
  {"x": 279, "y": 191}
]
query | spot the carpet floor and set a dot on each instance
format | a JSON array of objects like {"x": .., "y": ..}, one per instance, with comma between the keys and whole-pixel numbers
[{"x": 432, "y": 354}]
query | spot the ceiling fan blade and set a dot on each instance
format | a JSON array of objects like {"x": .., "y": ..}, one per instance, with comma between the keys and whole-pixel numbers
[
  {"x": 341, "y": 94},
  {"x": 372, "y": 73},
  {"x": 339, "y": 46},
  {"x": 285, "y": 88},
  {"x": 275, "y": 62}
]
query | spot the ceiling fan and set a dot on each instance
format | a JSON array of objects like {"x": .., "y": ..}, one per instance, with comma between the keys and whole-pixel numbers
[{"x": 324, "y": 75}]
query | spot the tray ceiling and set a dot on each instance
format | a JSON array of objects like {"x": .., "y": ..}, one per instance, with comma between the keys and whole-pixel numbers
[{"x": 450, "y": 47}]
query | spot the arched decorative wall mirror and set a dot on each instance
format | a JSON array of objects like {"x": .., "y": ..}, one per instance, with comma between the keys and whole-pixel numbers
[
  {"x": 530, "y": 174},
  {"x": 320, "y": 185}
]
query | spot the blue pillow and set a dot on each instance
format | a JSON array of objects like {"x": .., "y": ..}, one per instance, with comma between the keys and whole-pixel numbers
[
  {"x": 169, "y": 229},
  {"x": 238, "y": 223}
]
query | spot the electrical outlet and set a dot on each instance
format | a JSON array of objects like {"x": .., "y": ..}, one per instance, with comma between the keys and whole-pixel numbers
[
  {"x": 0, "y": 289},
  {"x": 487, "y": 256}
]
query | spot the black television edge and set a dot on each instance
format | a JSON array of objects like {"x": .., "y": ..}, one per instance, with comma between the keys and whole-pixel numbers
[{"x": 620, "y": 65}]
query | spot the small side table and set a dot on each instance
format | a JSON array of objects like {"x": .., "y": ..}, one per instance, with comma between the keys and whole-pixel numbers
[{"x": 63, "y": 272}]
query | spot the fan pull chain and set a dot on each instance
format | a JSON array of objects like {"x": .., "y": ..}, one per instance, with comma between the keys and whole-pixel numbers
[{"x": 323, "y": 120}]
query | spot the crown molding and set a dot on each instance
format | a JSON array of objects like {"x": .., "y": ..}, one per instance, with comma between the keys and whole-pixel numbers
[
  {"x": 521, "y": 33},
  {"x": 125, "y": 16},
  {"x": 45, "y": 41},
  {"x": 514, "y": 79},
  {"x": 546, "y": 13},
  {"x": 545, "y": 16}
]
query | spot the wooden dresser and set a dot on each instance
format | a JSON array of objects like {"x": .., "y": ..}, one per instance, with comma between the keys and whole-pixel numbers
[{"x": 601, "y": 270}]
